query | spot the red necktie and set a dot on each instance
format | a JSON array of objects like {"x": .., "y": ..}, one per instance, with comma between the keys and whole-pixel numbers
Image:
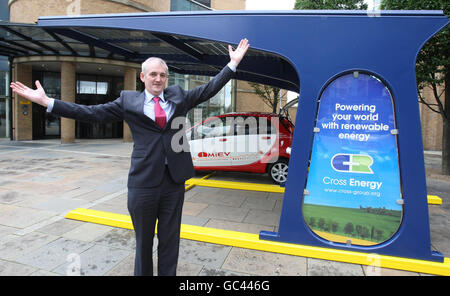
[{"x": 160, "y": 115}]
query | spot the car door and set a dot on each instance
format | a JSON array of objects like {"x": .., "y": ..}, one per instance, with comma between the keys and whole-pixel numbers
[
  {"x": 209, "y": 145},
  {"x": 268, "y": 138}
]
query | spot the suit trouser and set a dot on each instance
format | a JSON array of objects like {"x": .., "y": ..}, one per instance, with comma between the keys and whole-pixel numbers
[{"x": 146, "y": 205}]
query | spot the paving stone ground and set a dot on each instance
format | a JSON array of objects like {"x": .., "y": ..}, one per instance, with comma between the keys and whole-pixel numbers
[{"x": 40, "y": 181}]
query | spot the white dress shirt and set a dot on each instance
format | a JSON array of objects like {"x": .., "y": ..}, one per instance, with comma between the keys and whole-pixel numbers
[{"x": 149, "y": 106}]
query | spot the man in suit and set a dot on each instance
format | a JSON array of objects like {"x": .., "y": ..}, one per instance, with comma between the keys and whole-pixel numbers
[{"x": 158, "y": 170}]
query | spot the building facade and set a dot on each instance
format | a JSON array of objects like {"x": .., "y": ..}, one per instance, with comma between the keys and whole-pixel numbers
[
  {"x": 90, "y": 81},
  {"x": 5, "y": 116},
  {"x": 98, "y": 80}
]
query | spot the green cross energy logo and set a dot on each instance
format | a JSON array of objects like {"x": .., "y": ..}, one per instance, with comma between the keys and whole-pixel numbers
[{"x": 352, "y": 163}]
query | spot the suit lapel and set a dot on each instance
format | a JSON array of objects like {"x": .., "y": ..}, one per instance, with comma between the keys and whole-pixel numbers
[
  {"x": 176, "y": 99},
  {"x": 140, "y": 103},
  {"x": 170, "y": 96}
]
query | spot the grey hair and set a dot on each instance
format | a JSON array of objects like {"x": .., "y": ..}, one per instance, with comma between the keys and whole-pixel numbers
[{"x": 161, "y": 61}]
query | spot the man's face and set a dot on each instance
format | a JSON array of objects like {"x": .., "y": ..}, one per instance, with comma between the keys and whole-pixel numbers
[{"x": 155, "y": 78}]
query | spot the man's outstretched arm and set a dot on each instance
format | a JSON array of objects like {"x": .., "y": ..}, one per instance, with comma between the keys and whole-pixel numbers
[{"x": 111, "y": 111}]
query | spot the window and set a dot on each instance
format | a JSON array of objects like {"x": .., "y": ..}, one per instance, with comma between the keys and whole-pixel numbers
[
  {"x": 3, "y": 89},
  {"x": 204, "y": 2},
  {"x": 87, "y": 87},
  {"x": 91, "y": 85},
  {"x": 190, "y": 5},
  {"x": 246, "y": 126},
  {"x": 216, "y": 127}
]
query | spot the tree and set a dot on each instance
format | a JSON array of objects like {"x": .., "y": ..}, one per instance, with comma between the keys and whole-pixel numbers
[
  {"x": 330, "y": 4},
  {"x": 334, "y": 226},
  {"x": 321, "y": 223},
  {"x": 270, "y": 95},
  {"x": 378, "y": 234},
  {"x": 433, "y": 68},
  {"x": 365, "y": 232},
  {"x": 358, "y": 230},
  {"x": 349, "y": 228},
  {"x": 312, "y": 222}
]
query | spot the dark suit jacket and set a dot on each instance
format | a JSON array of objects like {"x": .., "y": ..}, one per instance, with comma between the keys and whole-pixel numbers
[{"x": 152, "y": 145}]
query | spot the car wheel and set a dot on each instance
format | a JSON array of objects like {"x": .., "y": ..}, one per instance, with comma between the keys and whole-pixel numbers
[{"x": 278, "y": 171}]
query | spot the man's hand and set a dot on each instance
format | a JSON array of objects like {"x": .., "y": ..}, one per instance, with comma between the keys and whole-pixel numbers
[
  {"x": 37, "y": 96},
  {"x": 237, "y": 55}
]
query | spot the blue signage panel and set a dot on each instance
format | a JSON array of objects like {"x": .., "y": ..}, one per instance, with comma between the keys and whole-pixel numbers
[{"x": 353, "y": 182}]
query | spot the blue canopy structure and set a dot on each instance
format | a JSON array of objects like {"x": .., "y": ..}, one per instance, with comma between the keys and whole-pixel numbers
[{"x": 302, "y": 51}]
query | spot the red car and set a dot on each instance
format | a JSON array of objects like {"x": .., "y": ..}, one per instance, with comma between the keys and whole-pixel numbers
[{"x": 243, "y": 142}]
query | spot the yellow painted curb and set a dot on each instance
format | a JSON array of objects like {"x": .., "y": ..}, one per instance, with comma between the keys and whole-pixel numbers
[
  {"x": 236, "y": 185},
  {"x": 252, "y": 241},
  {"x": 432, "y": 199},
  {"x": 100, "y": 217}
]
